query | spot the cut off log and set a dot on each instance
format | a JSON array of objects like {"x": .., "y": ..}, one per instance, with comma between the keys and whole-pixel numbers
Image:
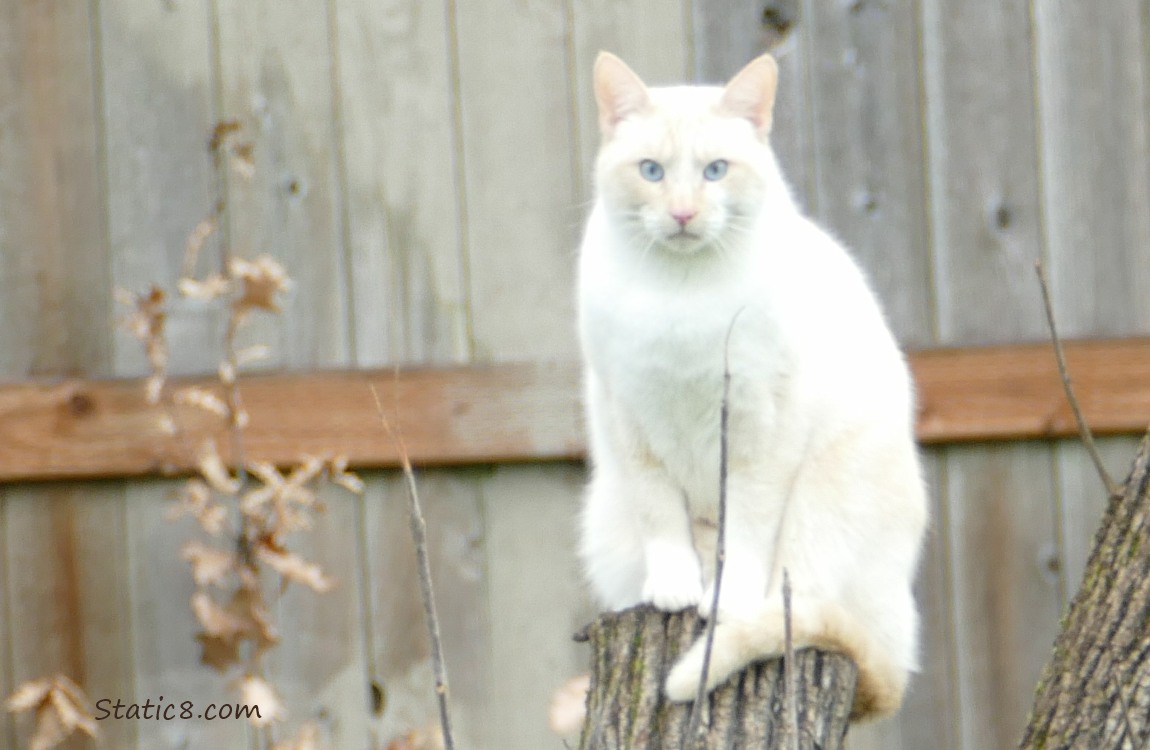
[
  {"x": 1095, "y": 692},
  {"x": 632, "y": 652}
]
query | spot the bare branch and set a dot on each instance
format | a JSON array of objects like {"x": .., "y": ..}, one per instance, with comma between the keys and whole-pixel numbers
[
  {"x": 1083, "y": 429},
  {"x": 419, "y": 536},
  {"x": 695, "y": 727},
  {"x": 790, "y": 696}
]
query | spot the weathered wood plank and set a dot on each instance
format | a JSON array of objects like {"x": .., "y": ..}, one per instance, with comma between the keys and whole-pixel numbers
[
  {"x": 159, "y": 110},
  {"x": 278, "y": 75},
  {"x": 166, "y": 655},
  {"x": 402, "y": 195},
  {"x": 868, "y": 144},
  {"x": 530, "y": 514},
  {"x": 277, "y": 79},
  {"x": 63, "y": 545},
  {"x": 65, "y": 550},
  {"x": 400, "y": 658},
  {"x": 985, "y": 221},
  {"x": 1006, "y": 605},
  {"x": 521, "y": 221},
  {"x": 53, "y": 231},
  {"x": 486, "y": 414}
]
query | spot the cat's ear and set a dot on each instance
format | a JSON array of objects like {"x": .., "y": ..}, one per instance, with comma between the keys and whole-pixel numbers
[
  {"x": 751, "y": 93},
  {"x": 618, "y": 91}
]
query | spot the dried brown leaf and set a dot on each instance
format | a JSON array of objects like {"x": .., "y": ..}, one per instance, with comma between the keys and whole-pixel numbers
[
  {"x": 61, "y": 709},
  {"x": 208, "y": 288},
  {"x": 255, "y": 691},
  {"x": 222, "y": 131},
  {"x": 213, "y": 470},
  {"x": 338, "y": 473},
  {"x": 210, "y": 565},
  {"x": 261, "y": 280},
  {"x": 28, "y": 695},
  {"x": 217, "y": 652},
  {"x": 197, "y": 499},
  {"x": 217, "y": 620},
  {"x": 294, "y": 568},
  {"x": 201, "y": 398}
]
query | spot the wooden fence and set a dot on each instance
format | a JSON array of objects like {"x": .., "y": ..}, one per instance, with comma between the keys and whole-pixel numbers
[{"x": 421, "y": 169}]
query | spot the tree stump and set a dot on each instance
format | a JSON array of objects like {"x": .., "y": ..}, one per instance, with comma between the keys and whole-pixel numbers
[
  {"x": 1095, "y": 692},
  {"x": 632, "y": 652}
]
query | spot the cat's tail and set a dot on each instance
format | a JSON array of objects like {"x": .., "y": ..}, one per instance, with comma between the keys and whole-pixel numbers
[{"x": 739, "y": 642}]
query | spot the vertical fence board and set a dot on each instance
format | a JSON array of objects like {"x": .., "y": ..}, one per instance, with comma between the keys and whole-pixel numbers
[
  {"x": 63, "y": 544},
  {"x": 868, "y": 144},
  {"x": 983, "y": 186},
  {"x": 166, "y": 653},
  {"x": 1092, "y": 89},
  {"x": 521, "y": 220},
  {"x": 158, "y": 76},
  {"x": 409, "y": 290},
  {"x": 1006, "y": 584},
  {"x": 401, "y": 657},
  {"x": 158, "y": 107},
  {"x": 536, "y": 599},
  {"x": 522, "y": 225},
  {"x": 730, "y": 33},
  {"x": 66, "y": 549},
  {"x": 277, "y": 76}
]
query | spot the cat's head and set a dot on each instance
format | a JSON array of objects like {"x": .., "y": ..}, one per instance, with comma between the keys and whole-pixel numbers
[{"x": 688, "y": 167}]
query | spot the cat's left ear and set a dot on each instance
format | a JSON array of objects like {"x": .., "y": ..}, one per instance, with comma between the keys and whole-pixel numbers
[
  {"x": 751, "y": 94},
  {"x": 618, "y": 91}
]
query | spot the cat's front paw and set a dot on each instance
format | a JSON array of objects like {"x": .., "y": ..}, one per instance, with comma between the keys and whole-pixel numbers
[{"x": 674, "y": 578}]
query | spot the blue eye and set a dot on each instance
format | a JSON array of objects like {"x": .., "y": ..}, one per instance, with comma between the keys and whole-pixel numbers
[
  {"x": 651, "y": 170},
  {"x": 716, "y": 170}
]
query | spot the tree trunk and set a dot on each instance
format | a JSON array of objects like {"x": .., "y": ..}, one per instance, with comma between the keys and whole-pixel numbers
[
  {"x": 1095, "y": 692},
  {"x": 632, "y": 651}
]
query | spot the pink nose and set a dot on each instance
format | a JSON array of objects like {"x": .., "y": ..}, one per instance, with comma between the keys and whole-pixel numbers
[{"x": 683, "y": 216}]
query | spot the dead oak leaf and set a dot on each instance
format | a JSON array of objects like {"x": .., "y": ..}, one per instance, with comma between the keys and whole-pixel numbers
[
  {"x": 210, "y": 565},
  {"x": 197, "y": 499},
  {"x": 213, "y": 470},
  {"x": 294, "y": 568},
  {"x": 255, "y": 691},
  {"x": 60, "y": 706},
  {"x": 217, "y": 652},
  {"x": 260, "y": 281}
]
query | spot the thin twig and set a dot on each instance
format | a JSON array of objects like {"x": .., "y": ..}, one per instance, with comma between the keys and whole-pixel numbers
[
  {"x": 790, "y": 697},
  {"x": 1084, "y": 432},
  {"x": 695, "y": 726},
  {"x": 419, "y": 536}
]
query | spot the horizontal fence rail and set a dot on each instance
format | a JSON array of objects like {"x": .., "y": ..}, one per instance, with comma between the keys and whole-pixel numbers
[{"x": 72, "y": 429}]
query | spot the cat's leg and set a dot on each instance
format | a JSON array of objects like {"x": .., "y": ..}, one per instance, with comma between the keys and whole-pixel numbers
[
  {"x": 849, "y": 543},
  {"x": 754, "y": 514},
  {"x": 637, "y": 543}
]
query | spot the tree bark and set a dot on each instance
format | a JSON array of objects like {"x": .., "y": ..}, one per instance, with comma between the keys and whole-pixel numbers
[
  {"x": 632, "y": 651},
  {"x": 1095, "y": 692}
]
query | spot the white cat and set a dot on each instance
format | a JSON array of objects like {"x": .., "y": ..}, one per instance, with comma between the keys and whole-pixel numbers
[{"x": 693, "y": 225}]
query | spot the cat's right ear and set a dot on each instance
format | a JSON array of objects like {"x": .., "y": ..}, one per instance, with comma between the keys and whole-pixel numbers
[
  {"x": 619, "y": 92},
  {"x": 751, "y": 94}
]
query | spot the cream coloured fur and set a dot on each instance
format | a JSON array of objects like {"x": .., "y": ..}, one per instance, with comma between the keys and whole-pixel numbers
[{"x": 824, "y": 478}]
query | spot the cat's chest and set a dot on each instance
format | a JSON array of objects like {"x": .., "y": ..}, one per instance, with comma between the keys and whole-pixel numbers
[{"x": 664, "y": 353}]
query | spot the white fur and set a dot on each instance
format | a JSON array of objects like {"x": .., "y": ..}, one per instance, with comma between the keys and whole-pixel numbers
[{"x": 824, "y": 478}]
